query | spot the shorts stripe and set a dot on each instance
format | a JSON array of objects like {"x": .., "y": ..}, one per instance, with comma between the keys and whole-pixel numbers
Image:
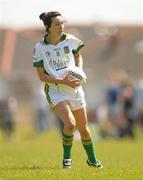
[{"x": 46, "y": 89}]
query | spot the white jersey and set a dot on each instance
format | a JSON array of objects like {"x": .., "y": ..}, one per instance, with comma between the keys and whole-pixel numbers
[{"x": 57, "y": 59}]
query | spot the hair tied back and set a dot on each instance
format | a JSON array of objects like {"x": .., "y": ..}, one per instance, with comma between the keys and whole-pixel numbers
[{"x": 42, "y": 16}]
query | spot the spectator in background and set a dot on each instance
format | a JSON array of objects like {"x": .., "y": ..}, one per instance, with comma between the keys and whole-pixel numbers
[
  {"x": 42, "y": 111},
  {"x": 44, "y": 115},
  {"x": 120, "y": 100},
  {"x": 138, "y": 100},
  {"x": 127, "y": 99},
  {"x": 7, "y": 107},
  {"x": 104, "y": 124},
  {"x": 113, "y": 91}
]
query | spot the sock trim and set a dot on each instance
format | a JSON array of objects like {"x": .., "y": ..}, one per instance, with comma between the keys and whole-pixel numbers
[
  {"x": 86, "y": 142},
  {"x": 67, "y": 136}
]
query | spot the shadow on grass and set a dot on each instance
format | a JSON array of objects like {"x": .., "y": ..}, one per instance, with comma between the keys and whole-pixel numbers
[{"x": 29, "y": 168}]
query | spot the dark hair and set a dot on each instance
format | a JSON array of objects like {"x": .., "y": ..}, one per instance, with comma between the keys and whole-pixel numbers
[{"x": 47, "y": 17}]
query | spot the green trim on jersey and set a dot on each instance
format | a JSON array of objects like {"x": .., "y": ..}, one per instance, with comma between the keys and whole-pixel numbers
[
  {"x": 63, "y": 37},
  {"x": 45, "y": 39},
  {"x": 38, "y": 64},
  {"x": 77, "y": 50}
]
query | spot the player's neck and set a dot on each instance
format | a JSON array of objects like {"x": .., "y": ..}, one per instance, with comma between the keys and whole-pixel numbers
[{"x": 54, "y": 39}]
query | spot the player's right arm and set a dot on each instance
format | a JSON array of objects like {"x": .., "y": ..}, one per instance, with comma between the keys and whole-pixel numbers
[{"x": 49, "y": 79}]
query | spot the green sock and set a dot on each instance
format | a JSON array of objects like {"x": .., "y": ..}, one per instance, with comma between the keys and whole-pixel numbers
[
  {"x": 90, "y": 151},
  {"x": 67, "y": 145}
]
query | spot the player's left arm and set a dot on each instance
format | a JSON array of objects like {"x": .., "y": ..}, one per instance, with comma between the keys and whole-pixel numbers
[{"x": 78, "y": 60}]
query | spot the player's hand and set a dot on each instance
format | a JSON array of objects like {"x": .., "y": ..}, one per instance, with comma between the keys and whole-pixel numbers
[{"x": 69, "y": 81}]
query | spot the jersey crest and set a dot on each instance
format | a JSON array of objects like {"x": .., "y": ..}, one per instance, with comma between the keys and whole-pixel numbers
[{"x": 66, "y": 49}]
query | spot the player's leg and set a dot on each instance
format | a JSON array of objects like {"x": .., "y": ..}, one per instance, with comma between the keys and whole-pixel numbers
[
  {"x": 64, "y": 113},
  {"x": 82, "y": 125}
]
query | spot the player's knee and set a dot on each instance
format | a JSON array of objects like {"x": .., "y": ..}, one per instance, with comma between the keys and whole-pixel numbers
[
  {"x": 70, "y": 126},
  {"x": 85, "y": 133}
]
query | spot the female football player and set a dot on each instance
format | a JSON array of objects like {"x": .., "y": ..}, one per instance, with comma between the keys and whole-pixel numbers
[{"x": 53, "y": 55}]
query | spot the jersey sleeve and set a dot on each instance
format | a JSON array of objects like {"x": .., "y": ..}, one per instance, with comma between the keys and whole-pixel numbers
[
  {"x": 78, "y": 44},
  {"x": 37, "y": 57}
]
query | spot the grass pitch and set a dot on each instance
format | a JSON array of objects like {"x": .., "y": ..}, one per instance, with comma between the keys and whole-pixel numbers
[{"x": 40, "y": 157}]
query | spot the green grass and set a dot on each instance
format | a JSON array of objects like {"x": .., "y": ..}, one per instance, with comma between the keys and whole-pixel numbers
[{"x": 39, "y": 158}]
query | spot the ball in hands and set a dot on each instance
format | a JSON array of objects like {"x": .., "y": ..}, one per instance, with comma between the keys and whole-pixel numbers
[{"x": 78, "y": 73}]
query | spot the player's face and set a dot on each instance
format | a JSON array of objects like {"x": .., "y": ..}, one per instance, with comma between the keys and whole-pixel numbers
[{"x": 57, "y": 26}]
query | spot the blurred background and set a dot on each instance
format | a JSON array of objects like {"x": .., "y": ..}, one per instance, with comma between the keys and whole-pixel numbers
[{"x": 113, "y": 61}]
